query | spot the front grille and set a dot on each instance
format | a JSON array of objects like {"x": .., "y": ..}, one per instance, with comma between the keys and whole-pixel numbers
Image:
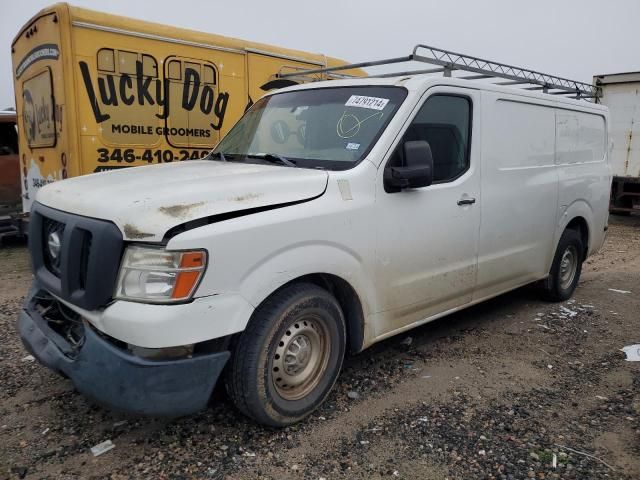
[
  {"x": 52, "y": 233},
  {"x": 82, "y": 268},
  {"x": 84, "y": 259}
]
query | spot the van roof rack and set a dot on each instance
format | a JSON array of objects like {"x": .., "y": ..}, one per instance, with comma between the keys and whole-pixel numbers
[
  {"x": 304, "y": 75},
  {"x": 448, "y": 62}
]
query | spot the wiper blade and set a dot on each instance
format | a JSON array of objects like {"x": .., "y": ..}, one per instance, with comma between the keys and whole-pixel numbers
[
  {"x": 223, "y": 157},
  {"x": 212, "y": 156},
  {"x": 274, "y": 158}
]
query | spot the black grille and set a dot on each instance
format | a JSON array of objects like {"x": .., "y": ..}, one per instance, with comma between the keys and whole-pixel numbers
[
  {"x": 84, "y": 259},
  {"x": 85, "y": 270},
  {"x": 52, "y": 233}
]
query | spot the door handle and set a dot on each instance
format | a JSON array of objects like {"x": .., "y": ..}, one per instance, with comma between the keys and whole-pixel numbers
[{"x": 466, "y": 201}]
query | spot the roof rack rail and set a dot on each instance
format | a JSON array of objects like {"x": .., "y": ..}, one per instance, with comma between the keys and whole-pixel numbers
[
  {"x": 301, "y": 74},
  {"x": 449, "y": 62}
]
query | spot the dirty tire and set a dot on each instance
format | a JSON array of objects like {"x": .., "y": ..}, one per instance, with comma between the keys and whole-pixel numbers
[
  {"x": 561, "y": 283},
  {"x": 282, "y": 327}
]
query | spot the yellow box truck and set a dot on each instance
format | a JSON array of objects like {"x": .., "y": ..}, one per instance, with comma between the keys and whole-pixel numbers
[{"x": 96, "y": 91}]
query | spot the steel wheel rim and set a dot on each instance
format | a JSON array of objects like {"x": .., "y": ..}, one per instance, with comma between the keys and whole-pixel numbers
[
  {"x": 300, "y": 358},
  {"x": 568, "y": 267}
]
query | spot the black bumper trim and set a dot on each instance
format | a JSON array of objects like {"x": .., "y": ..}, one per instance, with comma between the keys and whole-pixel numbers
[{"x": 120, "y": 381}]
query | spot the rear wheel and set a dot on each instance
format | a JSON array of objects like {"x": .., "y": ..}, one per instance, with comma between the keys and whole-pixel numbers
[
  {"x": 285, "y": 363},
  {"x": 566, "y": 267}
]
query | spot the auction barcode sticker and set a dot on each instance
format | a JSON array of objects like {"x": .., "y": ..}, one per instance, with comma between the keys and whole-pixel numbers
[{"x": 375, "y": 103}]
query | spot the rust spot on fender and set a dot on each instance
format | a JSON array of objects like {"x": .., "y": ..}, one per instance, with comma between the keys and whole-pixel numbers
[
  {"x": 131, "y": 231},
  {"x": 178, "y": 211}
]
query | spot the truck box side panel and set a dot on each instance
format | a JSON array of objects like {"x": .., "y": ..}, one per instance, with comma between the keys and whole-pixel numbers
[
  {"x": 623, "y": 100},
  {"x": 151, "y": 101},
  {"x": 38, "y": 54}
]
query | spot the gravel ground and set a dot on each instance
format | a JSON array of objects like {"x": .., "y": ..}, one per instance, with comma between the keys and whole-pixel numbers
[{"x": 514, "y": 388}]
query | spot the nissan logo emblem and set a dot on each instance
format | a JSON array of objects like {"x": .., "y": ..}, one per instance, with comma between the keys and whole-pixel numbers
[{"x": 53, "y": 243}]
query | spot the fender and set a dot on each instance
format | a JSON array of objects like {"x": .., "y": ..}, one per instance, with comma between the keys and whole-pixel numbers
[
  {"x": 307, "y": 258},
  {"x": 578, "y": 208},
  {"x": 327, "y": 259}
]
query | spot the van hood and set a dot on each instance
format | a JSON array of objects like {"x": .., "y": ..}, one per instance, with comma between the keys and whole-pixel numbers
[{"x": 145, "y": 202}]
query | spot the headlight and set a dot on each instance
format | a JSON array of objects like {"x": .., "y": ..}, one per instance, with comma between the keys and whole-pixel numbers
[{"x": 155, "y": 275}]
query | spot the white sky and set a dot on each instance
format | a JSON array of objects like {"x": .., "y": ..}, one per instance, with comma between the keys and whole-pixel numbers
[{"x": 574, "y": 39}]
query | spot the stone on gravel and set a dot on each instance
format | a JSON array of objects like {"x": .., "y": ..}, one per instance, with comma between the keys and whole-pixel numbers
[{"x": 102, "y": 447}]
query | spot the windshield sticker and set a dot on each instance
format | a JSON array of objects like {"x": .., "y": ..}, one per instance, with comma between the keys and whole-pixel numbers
[
  {"x": 374, "y": 103},
  {"x": 353, "y": 146}
]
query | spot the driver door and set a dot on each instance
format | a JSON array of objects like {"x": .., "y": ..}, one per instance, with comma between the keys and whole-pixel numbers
[{"x": 427, "y": 239}]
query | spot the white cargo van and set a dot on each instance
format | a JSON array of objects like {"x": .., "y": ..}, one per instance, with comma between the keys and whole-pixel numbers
[{"x": 333, "y": 215}]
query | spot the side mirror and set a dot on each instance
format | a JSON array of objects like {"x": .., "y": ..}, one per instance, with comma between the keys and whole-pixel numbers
[{"x": 417, "y": 170}]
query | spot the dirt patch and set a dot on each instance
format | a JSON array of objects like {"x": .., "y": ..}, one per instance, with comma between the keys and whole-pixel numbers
[
  {"x": 131, "y": 231},
  {"x": 495, "y": 391},
  {"x": 180, "y": 211}
]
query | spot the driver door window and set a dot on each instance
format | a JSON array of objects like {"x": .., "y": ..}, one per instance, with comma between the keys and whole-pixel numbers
[{"x": 444, "y": 121}]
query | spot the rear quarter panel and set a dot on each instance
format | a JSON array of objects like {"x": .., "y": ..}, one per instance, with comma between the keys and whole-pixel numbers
[{"x": 583, "y": 170}]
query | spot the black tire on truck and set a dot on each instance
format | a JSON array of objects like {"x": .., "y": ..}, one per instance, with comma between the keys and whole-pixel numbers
[
  {"x": 566, "y": 267},
  {"x": 285, "y": 363}
]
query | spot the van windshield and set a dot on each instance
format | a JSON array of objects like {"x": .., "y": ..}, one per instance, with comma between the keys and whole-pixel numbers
[{"x": 332, "y": 128}]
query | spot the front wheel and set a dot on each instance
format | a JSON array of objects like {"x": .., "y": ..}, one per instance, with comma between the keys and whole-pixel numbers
[
  {"x": 285, "y": 363},
  {"x": 565, "y": 269}
]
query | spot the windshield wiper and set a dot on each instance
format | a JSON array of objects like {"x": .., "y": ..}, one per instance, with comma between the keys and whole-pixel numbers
[
  {"x": 273, "y": 158},
  {"x": 223, "y": 157},
  {"x": 212, "y": 156}
]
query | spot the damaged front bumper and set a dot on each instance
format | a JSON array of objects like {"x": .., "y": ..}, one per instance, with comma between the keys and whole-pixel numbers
[{"x": 111, "y": 375}]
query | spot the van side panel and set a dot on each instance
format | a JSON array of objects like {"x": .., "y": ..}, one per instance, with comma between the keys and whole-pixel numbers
[
  {"x": 584, "y": 174},
  {"x": 519, "y": 193}
]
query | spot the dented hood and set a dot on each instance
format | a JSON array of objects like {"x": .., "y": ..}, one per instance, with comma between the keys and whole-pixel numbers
[{"x": 145, "y": 202}]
